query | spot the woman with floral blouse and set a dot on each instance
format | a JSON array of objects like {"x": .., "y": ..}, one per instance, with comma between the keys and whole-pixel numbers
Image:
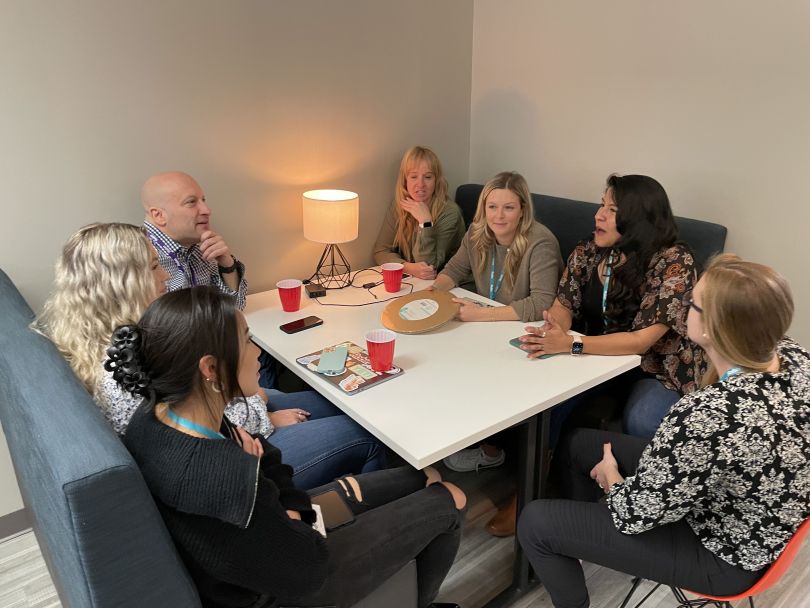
[
  {"x": 623, "y": 290},
  {"x": 724, "y": 483}
]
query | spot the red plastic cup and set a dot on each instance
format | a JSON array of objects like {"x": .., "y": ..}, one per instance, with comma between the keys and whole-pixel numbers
[
  {"x": 392, "y": 276},
  {"x": 289, "y": 290},
  {"x": 380, "y": 345}
]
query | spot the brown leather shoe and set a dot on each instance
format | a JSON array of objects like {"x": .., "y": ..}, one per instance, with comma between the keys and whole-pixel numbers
[{"x": 503, "y": 522}]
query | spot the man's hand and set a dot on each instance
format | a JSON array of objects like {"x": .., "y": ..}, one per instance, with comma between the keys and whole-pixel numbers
[{"x": 214, "y": 247}]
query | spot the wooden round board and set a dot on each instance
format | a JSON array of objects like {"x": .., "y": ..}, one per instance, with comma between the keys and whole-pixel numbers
[{"x": 419, "y": 312}]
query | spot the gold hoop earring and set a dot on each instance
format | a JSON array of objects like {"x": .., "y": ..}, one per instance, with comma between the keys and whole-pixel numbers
[{"x": 214, "y": 386}]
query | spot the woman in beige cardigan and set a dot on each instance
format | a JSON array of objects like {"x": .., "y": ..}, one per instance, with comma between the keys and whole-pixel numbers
[{"x": 512, "y": 258}]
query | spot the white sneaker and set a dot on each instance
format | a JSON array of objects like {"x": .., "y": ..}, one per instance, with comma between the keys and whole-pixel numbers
[{"x": 473, "y": 459}]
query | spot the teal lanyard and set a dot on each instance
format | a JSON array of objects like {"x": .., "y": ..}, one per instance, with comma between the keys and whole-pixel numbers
[
  {"x": 493, "y": 286},
  {"x": 732, "y": 372},
  {"x": 606, "y": 286},
  {"x": 193, "y": 426}
]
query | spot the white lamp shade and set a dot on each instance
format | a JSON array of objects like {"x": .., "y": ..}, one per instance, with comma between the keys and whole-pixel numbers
[{"x": 331, "y": 216}]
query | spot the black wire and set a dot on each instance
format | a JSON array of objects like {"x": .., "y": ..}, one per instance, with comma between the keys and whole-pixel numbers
[{"x": 376, "y": 301}]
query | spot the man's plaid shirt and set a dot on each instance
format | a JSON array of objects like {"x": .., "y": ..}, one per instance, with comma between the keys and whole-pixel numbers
[{"x": 188, "y": 268}]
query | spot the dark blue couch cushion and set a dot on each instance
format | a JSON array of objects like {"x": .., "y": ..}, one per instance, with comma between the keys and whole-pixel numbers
[
  {"x": 571, "y": 221},
  {"x": 99, "y": 529}
]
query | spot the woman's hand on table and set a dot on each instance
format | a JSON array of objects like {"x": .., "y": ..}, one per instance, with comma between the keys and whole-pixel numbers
[
  {"x": 287, "y": 417},
  {"x": 469, "y": 310},
  {"x": 606, "y": 472},
  {"x": 420, "y": 270},
  {"x": 548, "y": 339},
  {"x": 420, "y": 211}
]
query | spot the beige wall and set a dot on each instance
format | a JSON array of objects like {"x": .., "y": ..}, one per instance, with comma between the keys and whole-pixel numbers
[
  {"x": 711, "y": 98},
  {"x": 259, "y": 99}
]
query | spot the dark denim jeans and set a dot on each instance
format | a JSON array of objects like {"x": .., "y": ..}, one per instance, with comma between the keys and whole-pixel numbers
[
  {"x": 556, "y": 534},
  {"x": 397, "y": 520},
  {"x": 327, "y": 445}
]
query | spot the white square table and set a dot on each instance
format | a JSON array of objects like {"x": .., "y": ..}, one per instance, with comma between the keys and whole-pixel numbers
[{"x": 462, "y": 383}]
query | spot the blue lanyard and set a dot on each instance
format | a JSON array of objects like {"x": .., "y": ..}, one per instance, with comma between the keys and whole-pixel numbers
[
  {"x": 193, "y": 426},
  {"x": 493, "y": 286},
  {"x": 729, "y": 373},
  {"x": 605, "y": 287}
]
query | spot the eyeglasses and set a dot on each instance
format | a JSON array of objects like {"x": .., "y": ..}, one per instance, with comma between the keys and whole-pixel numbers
[{"x": 689, "y": 301}]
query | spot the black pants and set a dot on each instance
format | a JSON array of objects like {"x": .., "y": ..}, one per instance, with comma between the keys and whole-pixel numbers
[
  {"x": 556, "y": 534},
  {"x": 397, "y": 520}
]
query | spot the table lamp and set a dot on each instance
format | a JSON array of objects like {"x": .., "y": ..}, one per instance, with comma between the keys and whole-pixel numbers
[{"x": 331, "y": 217}]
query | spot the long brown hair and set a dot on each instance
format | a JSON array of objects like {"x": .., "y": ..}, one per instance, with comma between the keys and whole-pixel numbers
[
  {"x": 406, "y": 224},
  {"x": 483, "y": 238},
  {"x": 747, "y": 309}
]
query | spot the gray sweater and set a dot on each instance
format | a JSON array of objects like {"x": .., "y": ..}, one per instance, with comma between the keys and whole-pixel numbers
[{"x": 535, "y": 284}]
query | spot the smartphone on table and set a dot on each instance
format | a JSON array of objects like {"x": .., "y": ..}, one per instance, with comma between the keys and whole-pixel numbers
[
  {"x": 301, "y": 324},
  {"x": 517, "y": 343}
]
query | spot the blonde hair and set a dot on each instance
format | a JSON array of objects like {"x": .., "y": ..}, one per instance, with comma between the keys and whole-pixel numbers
[
  {"x": 482, "y": 237},
  {"x": 747, "y": 309},
  {"x": 103, "y": 279},
  {"x": 406, "y": 223}
]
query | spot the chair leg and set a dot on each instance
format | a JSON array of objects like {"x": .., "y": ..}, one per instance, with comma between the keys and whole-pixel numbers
[{"x": 636, "y": 583}]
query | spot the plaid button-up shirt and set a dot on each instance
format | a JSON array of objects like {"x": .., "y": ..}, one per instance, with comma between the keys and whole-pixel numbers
[{"x": 187, "y": 267}]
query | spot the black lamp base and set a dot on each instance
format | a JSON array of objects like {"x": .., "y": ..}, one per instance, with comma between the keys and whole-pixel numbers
[{"x": 333, "y": 271}]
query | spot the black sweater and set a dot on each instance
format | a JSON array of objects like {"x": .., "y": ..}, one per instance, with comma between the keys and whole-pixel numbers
[{"x": 226, "y": 512}]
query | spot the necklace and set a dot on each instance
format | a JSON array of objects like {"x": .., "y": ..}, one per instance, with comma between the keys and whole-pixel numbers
[{"x": 729, "y": 373}]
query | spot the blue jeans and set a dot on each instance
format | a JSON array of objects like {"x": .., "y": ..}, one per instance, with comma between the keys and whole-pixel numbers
[
  {"x": 648, "y": 403},
  {"x": 326, "y": 446}
]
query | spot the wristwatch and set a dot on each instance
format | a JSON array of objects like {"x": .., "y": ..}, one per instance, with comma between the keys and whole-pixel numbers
[
  {"x": 577, "y": 345},
  {"x": 426, "y": 225},
  {"x": 228, "y": 269}
]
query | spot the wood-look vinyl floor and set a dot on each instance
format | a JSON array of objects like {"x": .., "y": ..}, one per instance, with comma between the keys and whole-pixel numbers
[{"x": 482, "y": 569}]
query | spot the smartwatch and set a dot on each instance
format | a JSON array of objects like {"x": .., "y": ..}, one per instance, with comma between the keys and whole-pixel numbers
[
  {"x": 426, "y": 225},
  {"x": 228, "y": 269},
  {"x": 577, "y": 345}
]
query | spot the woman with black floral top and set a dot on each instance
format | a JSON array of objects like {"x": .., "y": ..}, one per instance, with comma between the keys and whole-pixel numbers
[
  {"x": 623, "y": 289},
  {"x": 724, "y": 483}
]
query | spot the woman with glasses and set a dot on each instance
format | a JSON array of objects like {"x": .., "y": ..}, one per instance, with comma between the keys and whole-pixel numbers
[
  {"x": 624, "y": 290},
  {"x": 714, "y": 498}
]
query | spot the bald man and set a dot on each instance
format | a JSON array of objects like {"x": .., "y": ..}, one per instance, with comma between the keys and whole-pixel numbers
[{"x": 178, "y": 221}]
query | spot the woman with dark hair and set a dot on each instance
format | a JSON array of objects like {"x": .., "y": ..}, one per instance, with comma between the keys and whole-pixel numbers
[
  {"x": 623, "y": 290},
  {"x": 716, "y": 495},
  {"x": 242, "y": 527}
]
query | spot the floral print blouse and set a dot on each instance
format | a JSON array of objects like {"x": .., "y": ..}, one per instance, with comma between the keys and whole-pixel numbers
[
  {"x": 733, "y": 459},
  {"x": 118, "y": 406},
  {"x": 675, "y": 360}
]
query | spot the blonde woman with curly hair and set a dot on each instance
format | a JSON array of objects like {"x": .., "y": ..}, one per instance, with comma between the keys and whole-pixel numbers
[
  {"x": 106, "y": 277},
  {"x": 512, "y": 258},
  {"x": 423, "y": 227}
]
